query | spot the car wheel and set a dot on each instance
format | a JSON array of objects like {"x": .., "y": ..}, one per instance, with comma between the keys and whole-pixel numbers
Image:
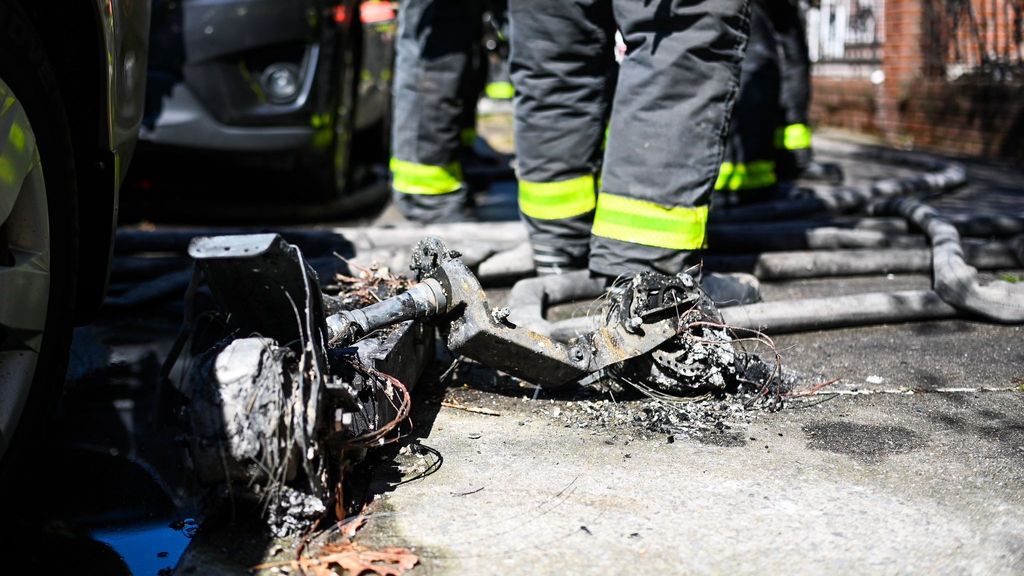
[{"x": 37, "y": 235}]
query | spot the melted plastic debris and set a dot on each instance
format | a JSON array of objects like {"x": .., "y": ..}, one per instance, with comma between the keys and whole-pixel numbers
[{"x": 292, "y": 512}]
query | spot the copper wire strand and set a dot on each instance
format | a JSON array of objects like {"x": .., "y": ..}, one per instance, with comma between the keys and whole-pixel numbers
[{"x": 377, "y": 437}]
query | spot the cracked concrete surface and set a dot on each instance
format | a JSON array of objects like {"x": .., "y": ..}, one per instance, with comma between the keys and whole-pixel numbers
[{"x": 883, "y": 484}]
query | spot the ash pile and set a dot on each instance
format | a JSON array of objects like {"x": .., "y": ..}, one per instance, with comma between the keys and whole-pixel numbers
[
  {"x": 710, "y": 414},
  {"x": 703, "y": 419},
  {"x": 715, "y": 389},
  {"x": 701, "y": 383}
]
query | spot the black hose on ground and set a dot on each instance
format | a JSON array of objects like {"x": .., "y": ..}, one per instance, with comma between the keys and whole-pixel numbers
[
  {"x": 530, "y": 297},
  {"x": 839, "y": 311},
  {"x": 733, "y": 238},
  {"x": 811, "y": 313},
  {"x": 828, "y": 263},
  {"x": 953, "y": 278},
  {"x": 846, "y": 199},
  {"x": 829, "y": 234}
]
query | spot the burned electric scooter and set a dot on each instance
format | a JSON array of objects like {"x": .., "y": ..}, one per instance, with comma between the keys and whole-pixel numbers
[
  {"x": 273, "y": 413},
  {"x": 304, "y": 387},
  {"x": 646, "y": 315}
]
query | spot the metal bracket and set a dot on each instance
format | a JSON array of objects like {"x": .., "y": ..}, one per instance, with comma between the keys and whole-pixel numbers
[{"x": 265, "y": 286}]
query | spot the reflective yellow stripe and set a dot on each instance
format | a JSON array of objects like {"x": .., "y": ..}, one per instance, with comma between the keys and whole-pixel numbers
[
  {"x": 16, "y": 136},
  {"x": 793, "y": 137},
  {"x": 745, "y": 176},
  {"x": 468, "y": 136},
  {"x": 650, "y": 224},
  {"x": 554, "y": 200},
  {"x": 413, "y": 178},
  {"x": 500, "y": 90}
]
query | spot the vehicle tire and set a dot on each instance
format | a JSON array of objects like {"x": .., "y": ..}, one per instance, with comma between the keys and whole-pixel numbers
[{"x": 38, "y": 237}]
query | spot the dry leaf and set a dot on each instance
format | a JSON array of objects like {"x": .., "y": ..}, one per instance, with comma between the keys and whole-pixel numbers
[
  {"x": 355, "y": 559},
  {"x": 349, "y": 528}
]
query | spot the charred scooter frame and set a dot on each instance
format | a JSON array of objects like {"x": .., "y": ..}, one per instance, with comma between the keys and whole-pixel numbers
[
  {"x": 653, "y": 310},
  {"x": 303, "y": 387}
]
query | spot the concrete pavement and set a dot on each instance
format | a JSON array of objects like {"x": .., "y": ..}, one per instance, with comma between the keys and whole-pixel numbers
[{"x": 875, "y": 484}]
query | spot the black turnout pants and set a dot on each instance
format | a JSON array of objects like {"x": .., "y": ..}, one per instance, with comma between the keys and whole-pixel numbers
[{"x": 639, "y": 202}]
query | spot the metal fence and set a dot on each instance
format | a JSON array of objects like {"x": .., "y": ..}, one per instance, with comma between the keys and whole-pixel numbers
[
  {"x": 976, "y": 36},
  {"x": 846, "y": 32}
]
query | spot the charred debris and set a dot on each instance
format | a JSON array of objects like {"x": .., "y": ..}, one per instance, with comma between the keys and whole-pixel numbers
[{"x": 308, "y": 378}]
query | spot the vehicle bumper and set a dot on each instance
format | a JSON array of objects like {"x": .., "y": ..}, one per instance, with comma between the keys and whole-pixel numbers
[{"x": 185, "y": 123}]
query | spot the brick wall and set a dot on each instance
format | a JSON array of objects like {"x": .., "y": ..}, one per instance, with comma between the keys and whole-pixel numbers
[
  {"x": 845, "y": 103},
  {"x": 953, "y": 80},
  {"x": 968, "y": 116}
]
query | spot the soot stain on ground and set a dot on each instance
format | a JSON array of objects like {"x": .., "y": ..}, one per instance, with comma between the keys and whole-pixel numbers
[
  {"x": 861, "y": 441},
  {"x": 1010, "y": 438}
]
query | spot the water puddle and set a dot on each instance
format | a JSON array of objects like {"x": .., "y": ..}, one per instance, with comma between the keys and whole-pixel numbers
[{"x": 149, "y": 549}]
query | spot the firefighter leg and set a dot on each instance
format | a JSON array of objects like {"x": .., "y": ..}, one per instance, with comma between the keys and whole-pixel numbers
[
  {"x": 748, "y": 171},
  {"x": 435, "y": 58},
  {"x": 793, "y": 137},
  {"x": 562, "y": 68},
  {"x": 675, "y": 93}
]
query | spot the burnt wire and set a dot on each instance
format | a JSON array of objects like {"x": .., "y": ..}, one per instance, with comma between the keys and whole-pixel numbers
[
  {"x": 770, "y": 390},
  {"x": 430, "y": 470},
  {"x": 379, "y": 437}
]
